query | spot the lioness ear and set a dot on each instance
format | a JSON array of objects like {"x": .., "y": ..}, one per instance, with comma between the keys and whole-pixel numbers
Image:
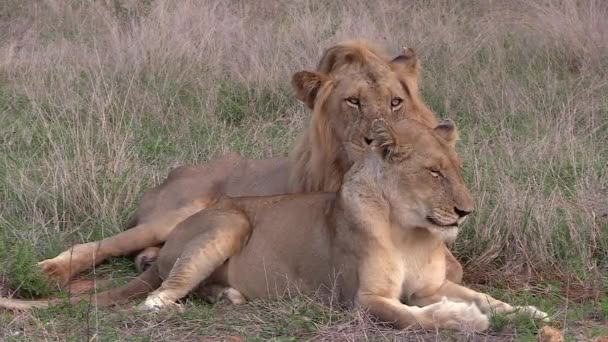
[
  {"x": 307, "y": 85},
  {"x": 447, "y": 131},
  {"x": 384, "y": 138}
]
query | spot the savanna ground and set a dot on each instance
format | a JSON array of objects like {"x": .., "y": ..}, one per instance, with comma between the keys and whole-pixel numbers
[{"x": 99, "y": 100}]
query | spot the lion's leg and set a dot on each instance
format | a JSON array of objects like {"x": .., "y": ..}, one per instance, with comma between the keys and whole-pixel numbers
[
  {"x": 223, "y": 233},
  {"x": 84, "y": 256},
  {"x": 442, "y": 315},
  {"x": 136, "y": 288},
  {"x": 146, "y": 282},
  {"x": 453, "y": 267},
  {"x": 486, "y": 303}
]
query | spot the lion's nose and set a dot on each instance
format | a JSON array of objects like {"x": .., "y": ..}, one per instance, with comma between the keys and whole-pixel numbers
[{"x": 462, "y": 212}]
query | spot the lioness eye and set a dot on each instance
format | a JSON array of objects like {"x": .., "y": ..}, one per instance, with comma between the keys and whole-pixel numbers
[
  {"x": 353, "y": 101},
  {"x": 395, "y": 102},
  {"x": 435, "y": 172}
]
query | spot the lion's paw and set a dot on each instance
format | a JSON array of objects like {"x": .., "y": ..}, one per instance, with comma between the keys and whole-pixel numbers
[
  {"x": 146, "y": 258},
  {"x": 458, "y": 316},
  {"x": 55, "y": 269},
  {"x": 233, "y": 296},
  {"x": 71, "y": 262},
  {"x": 143, "y": 262}
]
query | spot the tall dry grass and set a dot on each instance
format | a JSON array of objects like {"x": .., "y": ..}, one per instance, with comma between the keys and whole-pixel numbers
[{"x": 98, "y": 100}]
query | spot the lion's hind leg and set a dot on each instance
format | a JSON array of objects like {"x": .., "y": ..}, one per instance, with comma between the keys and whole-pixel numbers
[
  {"x": 84, "y": 256},
  {"x": 136, "y": 288},
  {"x": 222, "y": 234}
]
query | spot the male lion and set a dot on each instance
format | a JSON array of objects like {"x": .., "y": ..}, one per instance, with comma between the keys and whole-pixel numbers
[
  {"x": 354, "y": 84},
  {"x": 378, "y": 242}
]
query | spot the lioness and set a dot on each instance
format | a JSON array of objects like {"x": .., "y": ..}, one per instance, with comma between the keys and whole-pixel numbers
[
  {"x": 353, "y": 85},
  {"x": 378, "y": 242}
]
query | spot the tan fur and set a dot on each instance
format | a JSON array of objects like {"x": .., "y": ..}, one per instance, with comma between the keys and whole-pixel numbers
[
  {"x": 376, "y": 243},
  {"x": 318, "y": 162}
]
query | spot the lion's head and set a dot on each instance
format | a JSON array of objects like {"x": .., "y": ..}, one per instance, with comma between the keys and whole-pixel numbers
[
  {"x": 419, "y": 174},
  {"x": 353, "y": 85}
]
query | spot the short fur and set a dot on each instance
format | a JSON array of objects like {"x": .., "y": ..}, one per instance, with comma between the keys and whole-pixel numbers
[
  {"x": 377, "y": 243},
  {"x": 317, "y": 163}
]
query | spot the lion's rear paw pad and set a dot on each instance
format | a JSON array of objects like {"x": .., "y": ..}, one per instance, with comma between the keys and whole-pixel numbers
[
  {"x": 54, "y": 270},
  {"x": 233, "y": 296}
]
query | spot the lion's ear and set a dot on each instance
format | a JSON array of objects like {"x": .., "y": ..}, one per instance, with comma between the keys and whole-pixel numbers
[
  {"x": 447, "y": 131},
  {"x": 406, "y": 62},
  {"x": 307, "y": 85},
  {"x": 341, "y": 54},
  {"x": 407, "y": 67},
  {"x": 385, "y": 139}
]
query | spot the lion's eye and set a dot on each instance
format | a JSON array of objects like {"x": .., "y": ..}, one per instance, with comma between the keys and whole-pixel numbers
[
  {"x": 396, "y": 102},
  {"x": 353, "y": 101},
  {"x": 435, "y": 172}
]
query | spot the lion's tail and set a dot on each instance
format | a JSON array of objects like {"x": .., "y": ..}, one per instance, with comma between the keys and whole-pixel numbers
[{"x": 136, "y": 288}]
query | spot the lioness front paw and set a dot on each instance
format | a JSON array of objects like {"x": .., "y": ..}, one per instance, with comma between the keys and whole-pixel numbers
[
  {"x": 533, "y": 312},
  {"x": 457, "y": 316},
  {"x": 155, "y": 303}
]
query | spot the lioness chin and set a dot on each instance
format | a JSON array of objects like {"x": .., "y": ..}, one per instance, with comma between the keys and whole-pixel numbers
[{"x": 376, "y": 243}]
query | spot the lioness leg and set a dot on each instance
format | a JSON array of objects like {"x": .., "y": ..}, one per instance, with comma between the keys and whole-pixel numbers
[
  {"x": 443, "y": 314},
  {"x": 484, "y": 302},
  {"x": 84, "y": 256},
  {"x": 453, "y": 267},
  {"x": 222, "y": 234}
]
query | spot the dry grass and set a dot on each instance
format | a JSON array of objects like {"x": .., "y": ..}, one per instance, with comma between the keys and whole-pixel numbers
[{"x": 99, "y": 100}]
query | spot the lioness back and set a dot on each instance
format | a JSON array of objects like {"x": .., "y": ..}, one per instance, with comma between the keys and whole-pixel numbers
[{"x": 290, "y": 236}]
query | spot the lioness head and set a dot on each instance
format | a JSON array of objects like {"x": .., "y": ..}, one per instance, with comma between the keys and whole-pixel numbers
[
  {"x": 420, "y": 175},
  {"x": 353, "y": 85}
]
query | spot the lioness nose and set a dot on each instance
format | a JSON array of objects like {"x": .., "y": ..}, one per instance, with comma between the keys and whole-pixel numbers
[{"x": 462, "y": 213}]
